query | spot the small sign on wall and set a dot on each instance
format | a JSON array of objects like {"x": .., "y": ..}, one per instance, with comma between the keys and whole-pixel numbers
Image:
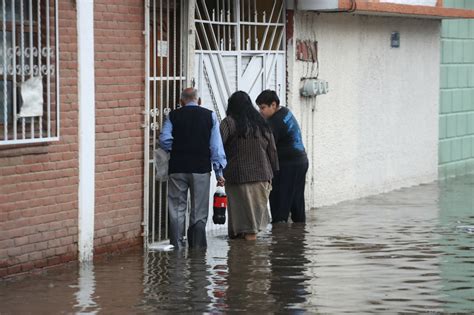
[
  {"x": 162, "y": 48},
  {"x": 395, "y": 40},
  {"x": 32, "y": 98}
]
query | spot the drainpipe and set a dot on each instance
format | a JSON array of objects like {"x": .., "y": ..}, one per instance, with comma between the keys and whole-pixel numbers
[{"x": 86, "y": 98}]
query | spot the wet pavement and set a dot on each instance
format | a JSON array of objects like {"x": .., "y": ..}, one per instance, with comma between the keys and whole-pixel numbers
[{"x": 410, "y": 250}]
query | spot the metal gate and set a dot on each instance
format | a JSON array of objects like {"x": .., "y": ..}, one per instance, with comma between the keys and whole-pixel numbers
[
  {"x": 239, "y": 46},
  {"x": 165, "y": 77}
]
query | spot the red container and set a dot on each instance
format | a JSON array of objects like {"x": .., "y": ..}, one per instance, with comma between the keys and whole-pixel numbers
[{"x": 220, "y": 205}]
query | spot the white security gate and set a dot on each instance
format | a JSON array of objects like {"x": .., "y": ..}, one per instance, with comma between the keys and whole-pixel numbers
[
  {"x": 165, "y": 76},
  {"x": 239, "y": 46}
]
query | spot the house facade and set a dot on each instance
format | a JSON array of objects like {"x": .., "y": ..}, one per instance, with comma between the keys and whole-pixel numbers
[
  {"x": 39, "y": 177},
  {"x": 86, "y": 85}
]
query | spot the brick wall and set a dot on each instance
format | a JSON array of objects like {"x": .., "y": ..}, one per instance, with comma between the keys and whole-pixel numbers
[
  {"x": 119, "y": 64},
  {"x": 38, "y": 184},
  {"x": 456, "y": 120}
]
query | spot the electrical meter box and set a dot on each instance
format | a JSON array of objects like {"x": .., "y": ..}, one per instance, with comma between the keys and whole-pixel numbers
[{"x": 314, "y": 87}]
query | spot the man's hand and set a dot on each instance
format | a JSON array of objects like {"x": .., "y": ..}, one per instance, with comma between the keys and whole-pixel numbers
[{"x": 220, "y": 181}]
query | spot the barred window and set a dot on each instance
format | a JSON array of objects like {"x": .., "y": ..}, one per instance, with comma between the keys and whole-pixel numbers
[{"x": 29, "y": 78}]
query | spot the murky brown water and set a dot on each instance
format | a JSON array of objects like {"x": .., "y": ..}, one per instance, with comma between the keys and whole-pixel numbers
[{"x": 411, "y": 250}]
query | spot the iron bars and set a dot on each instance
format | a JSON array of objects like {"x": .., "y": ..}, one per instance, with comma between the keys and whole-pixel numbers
[{"x": 241, "y": 25}]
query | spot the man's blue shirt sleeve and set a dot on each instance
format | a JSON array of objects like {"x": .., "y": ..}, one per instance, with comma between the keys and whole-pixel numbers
[
  {"x": 218, "y": 157},
  {"x": 166, "y": 137}
]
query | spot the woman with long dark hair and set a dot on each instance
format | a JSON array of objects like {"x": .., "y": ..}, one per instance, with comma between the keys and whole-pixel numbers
[{"x": 251, "y": 161}]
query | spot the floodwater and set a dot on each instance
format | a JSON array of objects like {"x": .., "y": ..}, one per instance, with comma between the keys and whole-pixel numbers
[{"x": 410, "y": 250}]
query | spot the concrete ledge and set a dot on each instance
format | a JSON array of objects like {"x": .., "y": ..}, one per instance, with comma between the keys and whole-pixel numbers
[{"x": 394, "y": 9}]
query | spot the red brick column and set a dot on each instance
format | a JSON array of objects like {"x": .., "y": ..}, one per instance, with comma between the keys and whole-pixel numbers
[{"x": 119, "y": 62}]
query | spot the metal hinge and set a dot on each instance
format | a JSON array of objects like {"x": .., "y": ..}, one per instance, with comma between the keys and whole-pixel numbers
[
  {"x": 155, "y": 126},
  {"x": 154, "y": 112}
]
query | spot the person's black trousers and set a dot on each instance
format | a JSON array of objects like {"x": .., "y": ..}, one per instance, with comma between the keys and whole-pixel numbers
[{"x": 287, "y": 195}]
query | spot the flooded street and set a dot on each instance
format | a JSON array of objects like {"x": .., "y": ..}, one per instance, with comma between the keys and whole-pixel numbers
[{"x": 410, "y": 250}]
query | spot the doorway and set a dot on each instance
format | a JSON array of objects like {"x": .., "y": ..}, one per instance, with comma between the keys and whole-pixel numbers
[{"x": 165, "y": 77}]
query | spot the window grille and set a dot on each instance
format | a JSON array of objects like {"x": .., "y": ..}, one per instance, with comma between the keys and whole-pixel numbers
[
  {"x": 243, "y": 25},
  {"x": 29, "y": 76}
]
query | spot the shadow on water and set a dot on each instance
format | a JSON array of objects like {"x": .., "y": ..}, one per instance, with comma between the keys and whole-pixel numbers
[{"x": 410, "y": 250}]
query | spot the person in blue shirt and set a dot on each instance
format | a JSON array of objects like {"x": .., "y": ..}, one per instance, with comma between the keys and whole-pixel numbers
[
  {"x": 191, "y": 135},
  {"x": 287, "y": 195}
]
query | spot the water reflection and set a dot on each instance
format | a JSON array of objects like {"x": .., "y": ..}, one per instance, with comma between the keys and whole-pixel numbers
[
  {"x": 233, "y": 275},
  {"x": 393, "y": 253},
  {"x": 249, "y": 276},
  {"x": 86, "y": 289},
  {"x": 288, "y": 261},
  {"x": 457, "y": 245},
  {"x": 176, "y": 282},
  {"x": 383, "y": 257}
]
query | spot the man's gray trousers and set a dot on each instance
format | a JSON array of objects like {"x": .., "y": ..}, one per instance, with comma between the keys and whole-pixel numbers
[{"x": 198, "y": 185}]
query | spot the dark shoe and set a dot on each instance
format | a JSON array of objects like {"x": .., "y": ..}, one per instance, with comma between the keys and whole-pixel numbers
[{"x": 197, "y": 235}]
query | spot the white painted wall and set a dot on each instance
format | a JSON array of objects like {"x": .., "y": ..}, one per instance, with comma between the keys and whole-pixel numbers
[{"x": 377, "y": 129}]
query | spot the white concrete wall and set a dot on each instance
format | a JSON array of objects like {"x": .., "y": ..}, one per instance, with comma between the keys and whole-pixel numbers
[{"x": 377, "y": 129}]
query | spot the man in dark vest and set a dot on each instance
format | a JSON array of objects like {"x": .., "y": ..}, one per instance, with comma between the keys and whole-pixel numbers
[{"x": 191, "y": 135}]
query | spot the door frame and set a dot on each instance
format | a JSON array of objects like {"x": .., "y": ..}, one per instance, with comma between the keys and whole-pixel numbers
[{"x": 153, "y": 116}]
